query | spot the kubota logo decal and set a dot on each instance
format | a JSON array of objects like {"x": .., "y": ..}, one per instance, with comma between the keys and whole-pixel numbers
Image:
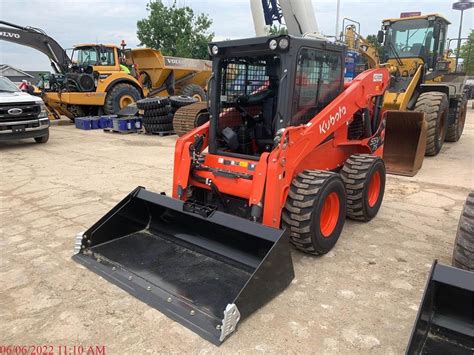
[
  {"x": 9, "y": 34},
  {"x": 331, "y": 121}
]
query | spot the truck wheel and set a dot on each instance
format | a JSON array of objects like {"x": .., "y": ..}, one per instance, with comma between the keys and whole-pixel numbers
[
  {"x": 364, "y": 179},
  {"x": 315, "y": 211},
  {"x": 455, "y": 129},
  {"x": 435, "y": 105},
  {"x": 195, "y": 91},
  {"x": 119, "y": 97},
  {"x": 151, "y": 103},
  {"x": 42, "y": 139},
  {"x": 463, "y": 255}
]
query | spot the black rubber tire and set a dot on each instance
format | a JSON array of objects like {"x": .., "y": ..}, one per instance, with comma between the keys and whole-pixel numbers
[
  {"x": 112, "y": 101},
  {"x": 463, "y": 254},
  {"x": 42, "y": 139},
  {"x": 181, "y": 100},
  {"x": 357, "y": 173},
  {"x": 157, "y": 111},
  {"x": 301, "y": 214},
  {"x": 157, "y": 128},
  {"x": 435, "y": 105},
  {"x": 194, "y": 91},
  {"x": 153, "y": 103},
  {"x": 455, "y": 129},
  {"x": 157, "y": 120}
]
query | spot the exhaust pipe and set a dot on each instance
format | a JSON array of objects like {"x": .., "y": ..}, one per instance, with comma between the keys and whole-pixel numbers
[{"x": 205, "y": 269}]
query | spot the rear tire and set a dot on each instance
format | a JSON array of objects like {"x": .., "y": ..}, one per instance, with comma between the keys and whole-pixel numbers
[
  {"x": 455, "y": 129},
  {"x": 364, "y": 179},
  {"x": 118, "y": 96},
  {"x": 42, "y": 139},
  {"x": 435, "y": 105},
  {"x": 463, "y": 254},
  {"x": 315, "y": 211}
]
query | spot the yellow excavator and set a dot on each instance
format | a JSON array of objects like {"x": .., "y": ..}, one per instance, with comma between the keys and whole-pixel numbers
[{"x": 423, "y": 80}]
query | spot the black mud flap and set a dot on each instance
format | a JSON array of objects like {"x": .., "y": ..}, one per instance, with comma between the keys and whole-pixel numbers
[
  {"x": 205, "y": 269},
  {"x": 445, "y": 320}
]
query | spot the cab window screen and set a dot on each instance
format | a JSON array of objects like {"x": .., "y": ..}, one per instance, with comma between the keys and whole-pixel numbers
[{"x": 318, "y": 82}]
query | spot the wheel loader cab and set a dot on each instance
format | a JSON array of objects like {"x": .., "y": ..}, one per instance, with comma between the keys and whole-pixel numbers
[
  {"x": 265, "y": 84},
  {"x": 411, "y": 39}
]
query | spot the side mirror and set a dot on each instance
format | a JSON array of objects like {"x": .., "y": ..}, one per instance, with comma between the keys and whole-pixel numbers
[{"x": 380, "y": 36}]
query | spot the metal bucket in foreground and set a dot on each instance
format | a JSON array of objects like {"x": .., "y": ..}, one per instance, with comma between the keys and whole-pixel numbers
[
  {"x": 203, "y": 268},
  {"x": 405, "y": 142},
  {"x": 445, "y": 320}
]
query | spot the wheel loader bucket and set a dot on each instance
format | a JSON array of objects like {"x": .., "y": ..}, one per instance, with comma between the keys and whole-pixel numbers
[
  {"x": 445, "y": 320},
  {"x": 405, "y": 142},
  {"x": 203, "y": 268}
]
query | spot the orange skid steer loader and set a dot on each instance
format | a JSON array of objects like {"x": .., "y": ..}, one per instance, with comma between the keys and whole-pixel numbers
[{"x": 288, "y": 153}]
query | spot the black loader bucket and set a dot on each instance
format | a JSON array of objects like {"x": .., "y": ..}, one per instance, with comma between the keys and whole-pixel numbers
[
  {"x": 405, "y": 142},
  {"x": 445, "y": 320},
  {"x": 203, "y": 268}
]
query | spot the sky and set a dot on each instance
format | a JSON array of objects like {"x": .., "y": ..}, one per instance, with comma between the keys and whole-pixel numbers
[{"x": 109, "y": 21}]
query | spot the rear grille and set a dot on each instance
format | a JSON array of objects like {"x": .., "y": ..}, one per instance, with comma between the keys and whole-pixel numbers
[{"x": 29, "y": 111}]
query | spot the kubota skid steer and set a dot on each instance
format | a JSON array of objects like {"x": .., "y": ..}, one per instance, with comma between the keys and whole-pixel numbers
[{"x": 289, "y": 151}]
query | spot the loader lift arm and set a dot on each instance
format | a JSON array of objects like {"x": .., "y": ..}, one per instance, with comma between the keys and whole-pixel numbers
[{"x": 37, "y": 39}]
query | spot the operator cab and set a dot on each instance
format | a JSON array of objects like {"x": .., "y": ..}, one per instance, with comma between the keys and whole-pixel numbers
[
  {"x": 250, "y": 95},
  {"x": 420, "y": 37}
]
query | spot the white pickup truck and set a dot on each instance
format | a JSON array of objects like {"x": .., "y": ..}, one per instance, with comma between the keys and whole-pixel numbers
[{"x": 21, "y": 115}]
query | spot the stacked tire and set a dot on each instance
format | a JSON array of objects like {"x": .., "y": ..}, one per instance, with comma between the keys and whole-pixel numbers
[
  {"x": 157, "y": 116},
  {"x": 180, "y": 101}
]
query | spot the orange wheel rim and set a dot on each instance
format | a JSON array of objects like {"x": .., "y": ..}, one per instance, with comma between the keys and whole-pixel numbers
[
  {"x": 126, "y": 100},
  {"x": 197, "y": 97},
  {"x": 329, "y": 214},
  {"x": 373, "y": 191}
]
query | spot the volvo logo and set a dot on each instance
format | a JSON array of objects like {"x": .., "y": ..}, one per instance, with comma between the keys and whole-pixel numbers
[
  {"x": 9, "y": 34},
  {"x": 15, "y": 111}
]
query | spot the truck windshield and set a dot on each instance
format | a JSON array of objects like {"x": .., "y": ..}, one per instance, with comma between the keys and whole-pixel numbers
[
  {"x": 93, "y": 55},
  {"x": 410, "y": 38},
  {"x": 7, "y": 86}
]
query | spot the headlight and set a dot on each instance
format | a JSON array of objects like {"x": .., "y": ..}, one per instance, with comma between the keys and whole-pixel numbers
[
  {"x": 44, "y": 111},
  {"x": 283, "y": 43},
  {"x": 272, "y": 44},
  {"x": 215, "y": 50}
]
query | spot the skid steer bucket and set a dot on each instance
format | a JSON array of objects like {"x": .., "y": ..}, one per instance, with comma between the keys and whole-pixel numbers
[
  {"x": 445, "y": 320},
  {"x": 405, "y": 142},
  {"x": 203, "y": 268}
]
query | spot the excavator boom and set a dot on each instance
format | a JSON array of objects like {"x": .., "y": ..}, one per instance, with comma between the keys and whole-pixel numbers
[{"x": 36, "y": 39}]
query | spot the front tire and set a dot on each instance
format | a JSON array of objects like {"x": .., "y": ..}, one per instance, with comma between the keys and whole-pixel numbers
[
  {"x": 119, "y": 97},
  {"x": 364, "y": 179},
  {"x": 315, "y": 211},
  {"x": 195, "y": 91},
  {"x": 463, "y": 254},
  {"x": 42, "y": 139},
  {"x": 435, "y": 105}
]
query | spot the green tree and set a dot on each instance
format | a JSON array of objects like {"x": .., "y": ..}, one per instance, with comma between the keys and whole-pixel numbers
[
  {"x": 174, "y": 30},
  {"x": 467, "y": 54},
  {"x": 372, "y": 39},
  {"x": 278, "y": 30}
]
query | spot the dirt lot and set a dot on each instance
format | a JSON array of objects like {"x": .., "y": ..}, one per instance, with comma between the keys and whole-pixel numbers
[{"x": 360, "y": 298}]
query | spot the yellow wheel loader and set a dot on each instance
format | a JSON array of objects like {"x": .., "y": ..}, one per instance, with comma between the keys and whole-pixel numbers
[
  {"x": 103, "y": 79},
  {"x": 424, "y": 81}
]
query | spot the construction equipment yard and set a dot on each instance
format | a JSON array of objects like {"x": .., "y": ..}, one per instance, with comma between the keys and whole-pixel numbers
[{"x": 361, "y": 297}]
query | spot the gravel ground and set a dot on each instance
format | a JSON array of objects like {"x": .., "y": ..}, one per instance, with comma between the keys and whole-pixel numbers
[{"x": 362, "y": 297}]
